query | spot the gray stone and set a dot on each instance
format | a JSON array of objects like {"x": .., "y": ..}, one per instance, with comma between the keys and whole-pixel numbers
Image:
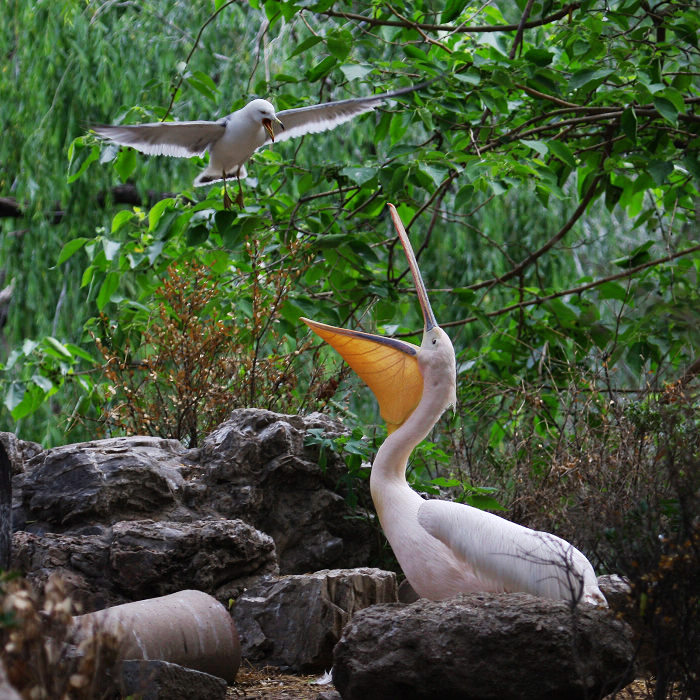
[
  {"x": 293, "y": 622},
  {"x": 485, "y": 647},
  {"x": 160, "y": 680},
  {"x": 219, "y": 557},
  {"x": 143, "y": 559},
  {"x": 256, "y": 466},
  {"x": 102, "y": 481}
]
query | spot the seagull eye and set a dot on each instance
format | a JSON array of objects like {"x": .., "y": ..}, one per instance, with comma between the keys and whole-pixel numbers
[{"x": 434, "y": 341}]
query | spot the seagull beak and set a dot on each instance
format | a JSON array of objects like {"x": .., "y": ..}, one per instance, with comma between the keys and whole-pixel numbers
[
  {"x": 428, "y": 315},
  {"x": 388, "y": 366},
  {"x": 267, "y": 124}
]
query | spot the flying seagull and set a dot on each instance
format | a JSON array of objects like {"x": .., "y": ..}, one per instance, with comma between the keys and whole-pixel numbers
[{"x": 233, "y": 139}]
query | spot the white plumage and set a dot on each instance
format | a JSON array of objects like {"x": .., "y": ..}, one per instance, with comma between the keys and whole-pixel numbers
[
  {"x": 445, "y": 548},
  {"x": 233, "y": 139}
]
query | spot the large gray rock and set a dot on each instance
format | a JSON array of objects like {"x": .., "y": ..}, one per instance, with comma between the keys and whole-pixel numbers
[
  {"x": 256, "y": 466},
  {"x": 143, "y": 559},
  {"x": 295, "y": 621},
  {"x": 101, "y": 481},
  {"x": 483, "y": 647},
  {"x": 83, "y": 510}
]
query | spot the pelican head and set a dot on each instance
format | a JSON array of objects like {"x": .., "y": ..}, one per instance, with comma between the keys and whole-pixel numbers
[{"x": 397, "y": 371}]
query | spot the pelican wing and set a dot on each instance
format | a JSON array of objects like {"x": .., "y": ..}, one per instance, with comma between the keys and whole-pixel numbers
[
  {"x": 388, "y": 366},
  {"x": 515, "y": 557},
  {"x": 315, "y": 118},
  {"x": 178, "y": 139}
]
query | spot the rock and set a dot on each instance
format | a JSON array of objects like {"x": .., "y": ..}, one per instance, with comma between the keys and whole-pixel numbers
[
  {"x": 125, "y": 518},
  {"x": 220, "y": 557},
  {"x": 102, "y": 481},
  {"x": 160, "y": 680},
  {"x": 293, "y": 622},
  {"x": 485, "y": 647},
  {"x": 5, "y": 508},
  {"x": 142, "y": 559},
  {"x": 258, "y": 468}
]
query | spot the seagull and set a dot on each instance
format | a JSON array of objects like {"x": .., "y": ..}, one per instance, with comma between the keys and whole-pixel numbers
[{"x": 233, "y": 139}]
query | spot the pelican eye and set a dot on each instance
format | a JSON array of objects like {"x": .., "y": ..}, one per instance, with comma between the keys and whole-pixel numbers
[{"x": 434, "y": 341}]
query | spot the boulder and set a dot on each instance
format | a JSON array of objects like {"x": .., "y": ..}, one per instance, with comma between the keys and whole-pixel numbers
[
  {"x": 126, "y": 518},
  {"x": 258, "y": 467},
  {"x": 294, "y": 622},
  {"x": 143, "y": 558},
  {"x": 483, "y": 647},
  {"x": 160, "y": 680}
]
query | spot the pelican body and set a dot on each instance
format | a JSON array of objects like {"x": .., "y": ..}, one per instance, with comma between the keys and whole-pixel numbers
[
  {"x": 232, "y": 140},
  {"x": 445, "y": 548}
]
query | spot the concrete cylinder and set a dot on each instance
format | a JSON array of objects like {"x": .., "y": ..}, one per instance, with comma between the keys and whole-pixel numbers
[{"x": 189, "y": 628}]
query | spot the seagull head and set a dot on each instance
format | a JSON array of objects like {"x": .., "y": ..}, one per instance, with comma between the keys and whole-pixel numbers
[{"x": 263, "y": 112}]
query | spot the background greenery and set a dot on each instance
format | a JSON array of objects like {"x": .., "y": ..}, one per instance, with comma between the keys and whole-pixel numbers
[{"x": 548, "y": 178}]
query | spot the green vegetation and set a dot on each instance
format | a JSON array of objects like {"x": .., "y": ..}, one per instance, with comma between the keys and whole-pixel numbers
[{"x": 548, "y": 179}]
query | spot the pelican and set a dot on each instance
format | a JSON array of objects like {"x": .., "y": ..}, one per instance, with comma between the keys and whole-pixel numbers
[
  {"x": 445, "y": 548},
  {"x": 233, "y": 139}
]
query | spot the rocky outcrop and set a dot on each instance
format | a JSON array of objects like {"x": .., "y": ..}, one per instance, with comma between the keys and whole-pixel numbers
[
  {"x": 128, "y": 518},
  {"x": 151, "y": 680},
  {"x": 294, "y": 622},
  {"x": 483, "y": 647}
]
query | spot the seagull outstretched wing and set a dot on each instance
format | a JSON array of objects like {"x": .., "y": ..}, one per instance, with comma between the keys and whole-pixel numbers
[
  {"x": 178, "y": 139},
  {"x": 322, "y": 117}
]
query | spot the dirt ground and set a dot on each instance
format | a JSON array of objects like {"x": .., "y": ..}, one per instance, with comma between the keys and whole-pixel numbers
[{"x": 269, "y": 683}]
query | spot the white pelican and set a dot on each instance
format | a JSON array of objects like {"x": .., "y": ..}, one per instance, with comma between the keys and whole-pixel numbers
[
  {"x": 445, "y": 548},
  {"x": 233, "y": 139}
]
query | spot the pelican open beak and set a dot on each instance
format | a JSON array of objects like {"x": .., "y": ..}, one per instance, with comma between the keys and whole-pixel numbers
[
  {"x": 267, "y": 124},
  {"x": 388, "y": 366},
  {"x": 428, "y": 315}
]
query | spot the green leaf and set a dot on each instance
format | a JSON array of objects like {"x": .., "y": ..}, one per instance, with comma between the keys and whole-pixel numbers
[
  {"x": 611, "y": 290},
  {"x": 120, "y": 218},
  {"x": 563, "y": 152},
  {"x": 540, "y": 57},
  {"x": 71, "y": 248},
  {"x": 56, "y": 349},
  {"x": 14, "y": 395},
  {"x": 588, "y": 78},
  {"x": 339, "y": 44},
  {"x": 355, "y": 71},
  {"x": 628, "y": 122},
  {"x": 125, "y": 164},
  {"x": 666, "y": 109},
  {"x": 359, "y": 175},
  {"x": 321, "y": 69},
  {"x": 107, "y": 289},
  {"x": 78, "y": 165},
  {"x": 111, "y": 248},
  {"x": 157, "y": 211},
  {"x": 453, "y": 8},
  {"x": 660, "y": 170},
  {"x": 305, "y": 45}
]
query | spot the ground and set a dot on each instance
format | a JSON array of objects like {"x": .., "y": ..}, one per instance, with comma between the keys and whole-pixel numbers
[{"x": 271, "y": 684}]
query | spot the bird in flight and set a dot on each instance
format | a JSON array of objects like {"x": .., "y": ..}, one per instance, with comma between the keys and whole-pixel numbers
[
  {"x": 232, "y": 140},
  {"x": 445, "y": 548}
]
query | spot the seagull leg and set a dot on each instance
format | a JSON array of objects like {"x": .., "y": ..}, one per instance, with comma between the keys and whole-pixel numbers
[
  {"x": 228, "y": 203},
  {"x": 239, "y": 199}
]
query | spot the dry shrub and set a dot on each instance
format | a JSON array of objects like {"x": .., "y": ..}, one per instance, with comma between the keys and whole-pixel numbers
[
  {"x": 182, "y": 373},
  {"x": 43, "y": 656},
  {"x": 619, "y": 478}
]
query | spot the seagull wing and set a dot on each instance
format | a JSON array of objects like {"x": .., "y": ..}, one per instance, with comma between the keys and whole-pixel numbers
[
  {"x": 179, "y": 139},
  {"x": 310, "y": 120}
]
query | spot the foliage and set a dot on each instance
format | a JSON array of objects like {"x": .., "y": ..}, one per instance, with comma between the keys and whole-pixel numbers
[{"x": 548, "y": 177}]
